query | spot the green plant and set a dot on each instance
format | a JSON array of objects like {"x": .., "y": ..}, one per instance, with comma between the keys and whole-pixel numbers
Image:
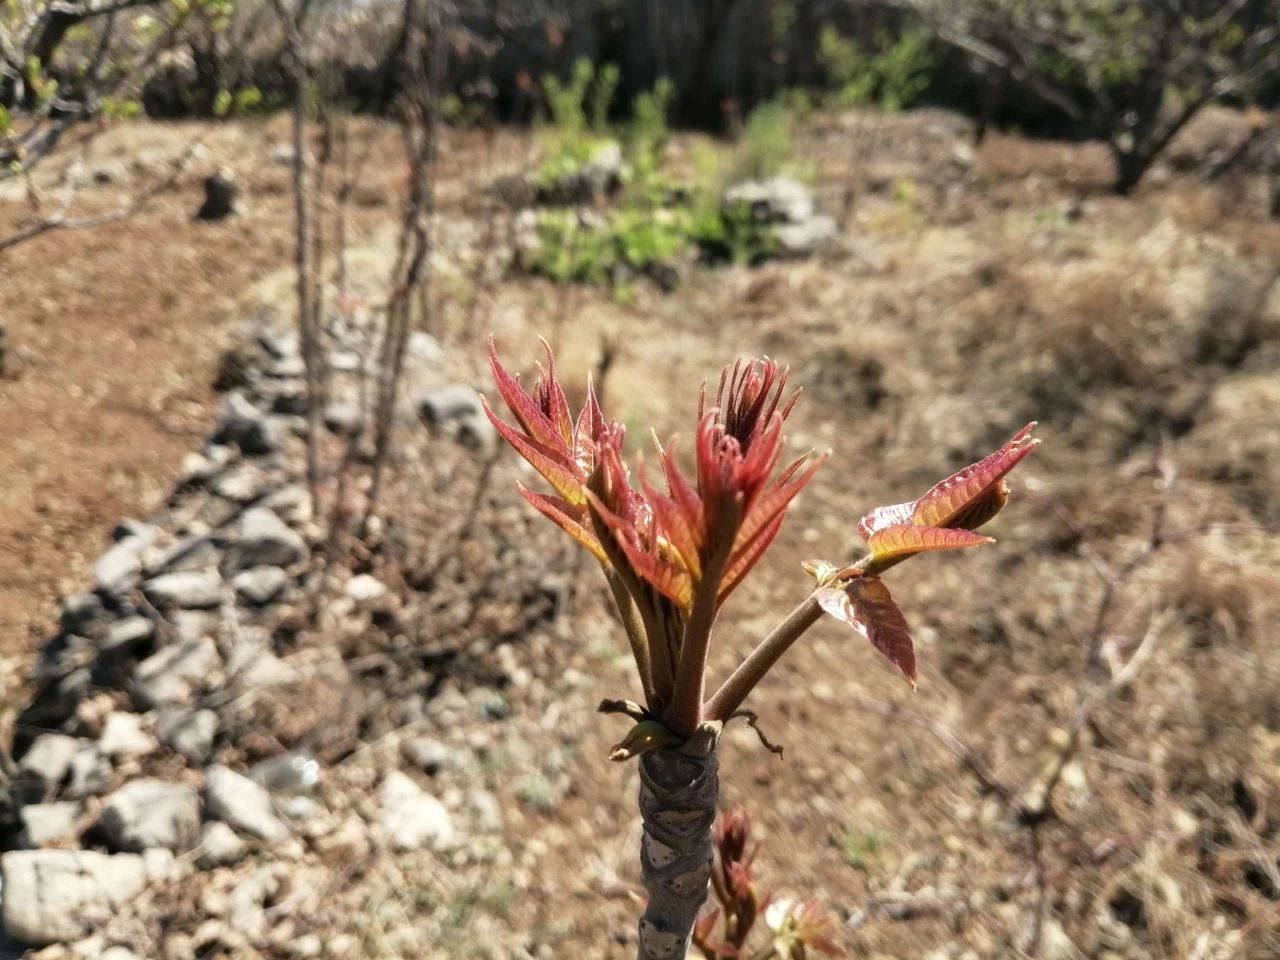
[
  {"x": 630, "y": 240},
  {"x": 768, "y": 142},
  {"x": 860, "y": 848},
  {"x": 730, "y": 232},
  {"x": 892, "y": 75},
  {"x": 579, "y": 111},
  {"x": 671, "y": 558},
  {"x": 644, "y": 140}
]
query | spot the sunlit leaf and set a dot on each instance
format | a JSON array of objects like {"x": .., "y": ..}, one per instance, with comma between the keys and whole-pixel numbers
[
  {"x": 974, "y": 493},
  {"x": 559, "y": 512},
  {"x": 865, "y": 604},
  {"x": 904, "y": 539},
  {"x": 561, "y": 473}
]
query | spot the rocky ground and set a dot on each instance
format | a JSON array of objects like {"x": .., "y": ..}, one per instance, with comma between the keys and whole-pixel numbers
[{"x": 204, "y": 770}]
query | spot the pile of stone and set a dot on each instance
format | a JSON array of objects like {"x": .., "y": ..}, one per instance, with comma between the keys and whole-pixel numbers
[
  {"x": 599, "y": 177},
  {"x": 785, "y": 209},
  {"x": 132, "y": 761}
]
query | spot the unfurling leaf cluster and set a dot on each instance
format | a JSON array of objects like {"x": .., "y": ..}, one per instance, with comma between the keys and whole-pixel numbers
[{"x": 672, "y": 551}]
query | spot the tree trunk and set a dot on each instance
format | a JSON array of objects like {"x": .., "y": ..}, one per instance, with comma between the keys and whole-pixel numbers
[
  {"x": 678, "y": 793},
  {"x": 1131, "y": 166}
]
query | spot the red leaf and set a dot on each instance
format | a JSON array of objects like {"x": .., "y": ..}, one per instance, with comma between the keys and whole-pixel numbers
[
  {"x": 974, "y": 492},
  {"x": 560, "y": 512},
  {"x": 882, "y": 517},
  {"x": 865, "y": 604},
  {"x": 560, "y": 472},
  {"x": 744, "y": 559},
  {"x": 674, "y": 525},
  {"x": 553, "y": 401},
  {"x": 662, "y": 574},
  {"x": 525, "y": 409},
  {"x": 904, "y": 539}
]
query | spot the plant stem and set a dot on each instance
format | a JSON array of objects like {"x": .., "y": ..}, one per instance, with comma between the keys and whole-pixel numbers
[
  {"x": 743, "y": 680},
  {"x": 634, "y": 626},
  {"x": 678, "y": 793}
]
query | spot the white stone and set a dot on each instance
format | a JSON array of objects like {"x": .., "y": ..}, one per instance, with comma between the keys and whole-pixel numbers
[
  {"x": 258, "y": 586},
  {"x": 190, "y": 734},
  {"x": 50, "y": 757},
  {"x": 62, "y": 895},
  {"x": 187, "y": 589},
  {"x": 219, "y": 846},
  {"x": 411, "y": 818},
  {"x": 125, "y": 735},
  {"x": 148, "y": 813},
  {"x": 171, "y": 675},
  {"x": 364, "y": 587},
  {"x": 243, "y": 804},
  {"x": 45, "y": 823},
  {"x": 266, "y": 540}
]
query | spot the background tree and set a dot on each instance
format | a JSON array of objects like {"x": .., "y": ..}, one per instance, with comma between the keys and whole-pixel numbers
[
  {"x": 66, "y": 70},
  {"x": 1133, "y": 72}
]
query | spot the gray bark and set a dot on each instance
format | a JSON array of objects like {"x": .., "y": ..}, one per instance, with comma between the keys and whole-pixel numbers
[{"x": 678, "y": 793}]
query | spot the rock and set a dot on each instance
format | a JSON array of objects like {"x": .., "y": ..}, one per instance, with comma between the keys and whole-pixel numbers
[
  {"x": 423, "y": 348},
  {"x": 82, "y": 614},
  {"x": 278, "y": 343},
  {"x": 343, "y": 418},
  {"x": 62, "y": 895},
  {"x": 221, "y": 196},
  {"x": 244, "y": 425},
  {"x": 90, "y": 773},
  {"x": 777, "y": 200},
  {"x": 238, "y": 801},
  {"x": 49, "y": 758},
  {"x": 171, "y": 675},
  {"x": 187, "y": 589},
  {"x": 189, "y": 733},
  {"x": 364, "y": 588},
  {"x": 125, "y": 735},
  {"x": 187, "y": 625},
  {"x": 196, "y": 552},
  {"x": 427, "y": 754},
  {"x": 117, "y": 570},
  {"x": 600, "y": 176},
  {"x": 287, "y": 773},
  {"x": 127, "y": 634},
  {"x": 289, "y": 397},
  {"x": 149, "y": 813},
  {"x": 488, "y": 811},
  {"x": 412, "y": 819},
  {"x": 439, "y": 406},
  {"x": 243, "y": 483},
  {"x": 258, "y": 586},
  {"x": 257, "y": 669},
  {"x": 219, "y": 846},
  {"x": 266, "y": 540},
  {"x": 797, "y": 240},
  {"x": 475, "y": 432},
  {"x": 46, "y": 823}
]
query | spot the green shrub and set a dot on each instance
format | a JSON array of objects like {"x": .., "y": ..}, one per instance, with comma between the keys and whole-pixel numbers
[
  {"x": 893, "y": 75},
  {"x": 579, "y": 113},
  {"x": 768, "y": 143},
  {"x": 644, "y": 140},
  {"x": 730, "y": 232}
]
